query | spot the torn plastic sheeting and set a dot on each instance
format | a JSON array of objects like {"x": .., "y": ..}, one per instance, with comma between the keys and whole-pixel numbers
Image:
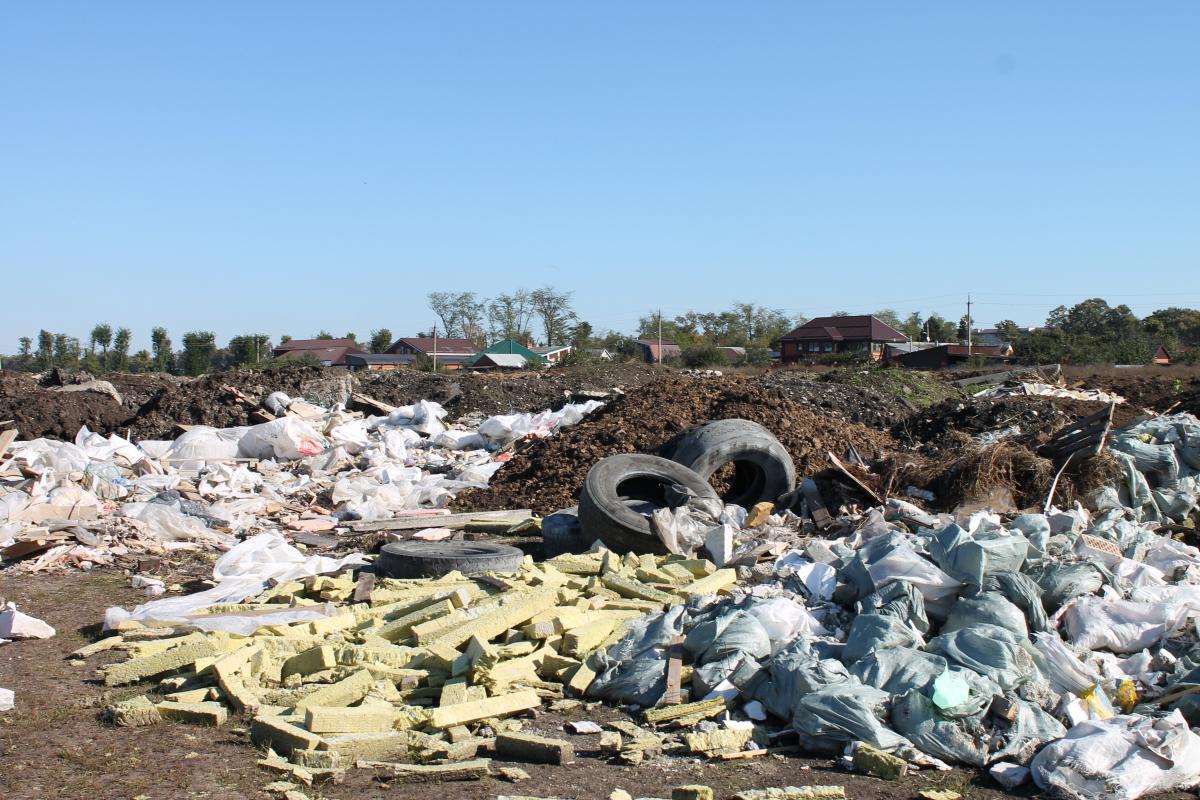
[
  {"x": 241, "y": 573},
  {"x": 819, "y": 580},
  {"x": 1020, "y": 590},
  {"x": 287, "y": 438},
  {"x": 991, "y": 651},
  {"x": 1121, "y": 758},
  {"x": 1122, "y": 626},
  {"x": 167, "y": 523},
  {"x": 901, "y": 600},
  {"x": 1061, "y": 583},
  {"x": 890, "y": 558},
  {"x": 784, "y": 620},
  {"x": 969, "y": 557},
  {"x": 873, "y": 632},
  {"x": 736, "y": 632},
  {"x": 424, "y": 416},
  {"x": 506, "y": 428},
  {"x": 1157, "y": 460},
  {"x": 897, "y": 670},
  {"x": 832, "y": 717},
  {"x": 990, "y": 608},
  {"x": 634, "y": 670},
  {"x": 792, "y": 673},
  {"x": 48, "y": 455},
  {"x": 17, "y": 625},
  {"x": 106, "y": 448},
  {"x": 1062, "y": 667},
  {"x": 957, "y": 734}
]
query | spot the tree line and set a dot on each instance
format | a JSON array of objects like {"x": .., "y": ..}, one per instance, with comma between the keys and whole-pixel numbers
[
  {"x": 107, "y": 350},
  {"x": 1090, "y": 332}
]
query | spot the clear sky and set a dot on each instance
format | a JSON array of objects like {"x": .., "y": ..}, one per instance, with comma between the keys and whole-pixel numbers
[{"x": 289, "y": 166}]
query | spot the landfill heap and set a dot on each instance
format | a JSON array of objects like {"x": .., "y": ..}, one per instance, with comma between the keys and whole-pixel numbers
[
  {"x": 309, "y": 469},
  {"x": 1058, "y": 646}
]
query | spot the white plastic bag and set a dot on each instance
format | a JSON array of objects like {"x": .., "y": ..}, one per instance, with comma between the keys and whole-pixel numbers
[
  {"x": 287, "y": 438},
  {"x": 1123, "y": 626},
  {"x": 1121, "y": 758}
]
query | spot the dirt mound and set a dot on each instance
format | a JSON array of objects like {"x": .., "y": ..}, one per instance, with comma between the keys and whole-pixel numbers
[
  {"x": 1037, "y": 417},
  {"x": 464, "y": 393},
  {"x": 37, "y": 411},
  {"x": 547, "y": 475},
  {"x": 841, "y": 401}
]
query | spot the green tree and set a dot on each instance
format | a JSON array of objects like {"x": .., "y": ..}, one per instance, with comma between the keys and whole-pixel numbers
[
  {"x": 323, "y": 335},
  {"x": 141, "y": 362},
  {"x": 118, "y": 360},
  {"x": 964, "y": 329},
  {"x": 581, "y": 335},
  {"x": 67, "y": 351},
  {"x": 554, "y": 310},
  {"x": 198, "y": 350},
  {"x": 102, "y": 335},
  {"x": 1180, "y": 324},
  {"x": 913, "y": 326},
  {"x": 509, "y": 316},
  {"x": 351, "y": 336},
  {"x": 45, "y": 351},
  {"x": 889, "y": 316},
  {"x": 381, "y": 340},
  {"x": 938, "y": 329},
  {"x": 703, "y": 355},
  {"x": 160, "y": 343},
  {"x": 285, "y": 339},
  {"x": 1008, "y": 330},
  {"x": 462, "y": 314},
  {"x": 249, "y": 350}
]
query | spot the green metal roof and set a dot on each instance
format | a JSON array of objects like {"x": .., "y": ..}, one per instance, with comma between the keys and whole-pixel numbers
[{"x": 510, "y": 346}]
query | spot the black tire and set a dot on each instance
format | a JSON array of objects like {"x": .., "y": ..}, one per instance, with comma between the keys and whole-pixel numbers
[
  {"x": 763, "y": 470},
  {"x": 435, "y": 559},
  {"x": 620, "y": 491}
]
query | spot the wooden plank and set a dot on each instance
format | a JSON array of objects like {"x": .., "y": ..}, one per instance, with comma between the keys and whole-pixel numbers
[
  {"x": 854, "y": 478},
  {"x": 816, "y": 504},
  {"x": 416, "y": 522},
  {"x": 6, "y": 440},
  {"x": 672, "y": 696}
]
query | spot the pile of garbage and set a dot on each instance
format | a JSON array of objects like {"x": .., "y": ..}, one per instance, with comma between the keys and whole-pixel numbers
[
  {"x": 310, "y": 469},
  {"x": 1059, "y": 645}
]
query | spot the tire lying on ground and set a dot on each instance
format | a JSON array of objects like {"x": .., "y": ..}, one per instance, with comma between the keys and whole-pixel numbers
[
  {"x": 762, "y": 468},
  {"x": 434, "y": 559},
  {"x": 620, "y": 492}
]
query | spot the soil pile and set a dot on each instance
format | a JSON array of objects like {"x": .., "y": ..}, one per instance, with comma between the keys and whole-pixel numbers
[
  {"x": 840, "y": 401},
  {"x": 547, "y": 475},
  {"x": 943, "y": 425}
]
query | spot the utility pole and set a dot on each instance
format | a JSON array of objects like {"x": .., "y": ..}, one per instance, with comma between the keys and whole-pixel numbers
[
  {"x": 435, "y": 347},
  {"x": 660, "y": 336},
  {"x": 968, "y": 325}
]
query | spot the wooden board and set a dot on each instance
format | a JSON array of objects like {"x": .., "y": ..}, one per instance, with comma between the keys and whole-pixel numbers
[{"x": 416, "y": 522}]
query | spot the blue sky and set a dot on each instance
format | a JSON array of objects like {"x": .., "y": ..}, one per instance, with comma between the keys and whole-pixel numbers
[{"x": 290, "y": 166}]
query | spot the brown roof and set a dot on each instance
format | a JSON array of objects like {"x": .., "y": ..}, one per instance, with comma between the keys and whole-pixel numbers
[
  {"x": 314, "y": 344},
  {"x": 862, "y": 328},
  {"x": 424, "y": 344},
  {"x": 334, "y": 355}
]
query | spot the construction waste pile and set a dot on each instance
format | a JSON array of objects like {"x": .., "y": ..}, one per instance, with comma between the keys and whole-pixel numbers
[
  {"x": 311, "y": 469},
  {"x": 710, "y": 589}
]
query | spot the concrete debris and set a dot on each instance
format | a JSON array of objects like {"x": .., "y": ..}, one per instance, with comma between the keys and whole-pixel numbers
[
  {"x": 938, "y": 794},
  {"x": 693, "y": 792},
  {"x": 794, "y": 793},
  {"x": 874, "y": 761},
  {"x": 513, "y": 774}
]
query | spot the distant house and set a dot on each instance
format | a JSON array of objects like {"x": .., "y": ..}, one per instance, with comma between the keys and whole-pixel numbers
[
  {"x": 509, "y": 347},
  {"x": 554, "y": 353},
  {"x": 490, "y": 361},
  {"x": 330, "y": 352},
  {"x": 993, "y": 336},
  {"x": 734, "y": 355},
  {"x": 1161, "y": 356},
  {"x": 379, "y": 362},
  {"x": 848, "y": 334},
  {"x": 953, "y": 355},
  {"x": 449, "y": 353},
  {"x": 650, "y": 350}
]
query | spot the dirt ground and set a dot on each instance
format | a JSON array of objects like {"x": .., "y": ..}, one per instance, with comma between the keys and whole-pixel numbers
[{"x": 54, "y": 744}]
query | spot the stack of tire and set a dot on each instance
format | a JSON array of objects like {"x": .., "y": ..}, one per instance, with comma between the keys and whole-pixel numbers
[
  {"x": 620, "y": 491},
  {"x": 617, "y": 498}
]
